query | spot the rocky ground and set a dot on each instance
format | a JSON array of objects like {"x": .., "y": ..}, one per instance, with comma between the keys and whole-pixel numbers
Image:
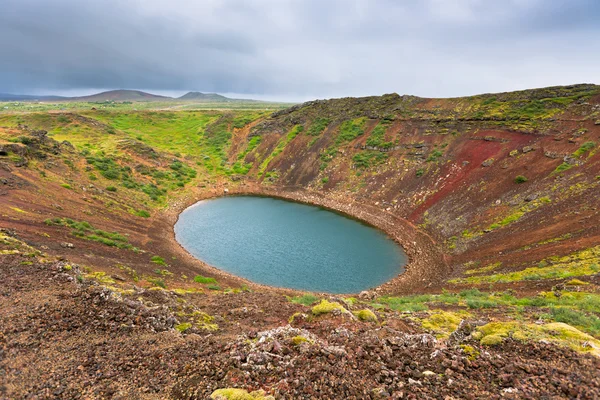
[{"x": 65, "y": 336}]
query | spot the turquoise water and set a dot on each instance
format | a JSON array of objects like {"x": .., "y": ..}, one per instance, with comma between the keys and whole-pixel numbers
[{"x": 286, "y": 244}]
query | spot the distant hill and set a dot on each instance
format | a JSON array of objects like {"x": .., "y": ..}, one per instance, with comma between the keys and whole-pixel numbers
[
  {"x": 24, "y": 97},
  {"x": 121, "y": 95},
  {"x": 129, "y": 95},
  {"x": 208, "y": 97}
]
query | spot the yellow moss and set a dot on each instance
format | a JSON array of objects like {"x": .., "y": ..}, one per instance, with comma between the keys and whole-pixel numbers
[
  {"x": 183, "y": 327},
  {"x": 491, "y": 340},
  {"x": 18, "y": 210},
  {"x": 584, "y": 262},
  {"x": 366, "y": 315},
  {"x": 443, "y": 322},
  {"x": 6, "y": 252},
  {"x": 556, "y": 332},
  {"x": 471, "y": 352},
  {"x": 298, "y": 340},
  {"x": 239, "y": 394},
  {"x": 101, "y": 277},
  {"x": 577, "y": 282},
  {"x": 325, "y": 307},
  {"x": 183, "y": 292},
  {"x": 481, "y": 270}
]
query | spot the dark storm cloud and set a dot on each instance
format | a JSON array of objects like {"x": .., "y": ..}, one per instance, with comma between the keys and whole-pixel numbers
[{"x": 298, "y": 49}]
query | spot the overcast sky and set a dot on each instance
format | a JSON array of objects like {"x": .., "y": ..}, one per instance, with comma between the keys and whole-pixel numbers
[{"x": 297, "y": 49}]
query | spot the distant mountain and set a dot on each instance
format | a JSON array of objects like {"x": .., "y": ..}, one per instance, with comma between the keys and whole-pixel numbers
[
  {"x": 121, "y": 95},
  {"x": 25, "y": 97},
  {"x": 207, "y": 97},
  {"x": 127, "y": 95}
]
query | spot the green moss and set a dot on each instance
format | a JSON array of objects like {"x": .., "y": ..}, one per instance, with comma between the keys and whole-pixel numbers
[
  {"x": 350, "y": 130},
  {"x": 157, "y": 282},
  {"x": 158, "y": 260},
  {"x": 85, "y": 230},
  {"x": 204, "y": 279},
  {"x": 518, "y": 213},
  {"x": 556, "y": 332},
  {"x": 239, "y": 394},
  {"x": 306, "y": 299},
  {"x": 520, "y": 179},
  {"x": 491, "y": 340},
  {"x": 100, "y": 277},
  {"x": 584, "y": 148},
  {"x": 471, "y": 352},
  {"x": 585, "y": 262},
  {"x": 366, "y": 315},
  {"x": 298, "y": 340},
  {"x": 443, "y": 322},
  {"x": 325, "y": 307},
  {"x": 183, "y": 327},
  {"x": 577, "y": 282},
  {"x": 318, "y": 126},
  {"x": 368, "y": 158},
  {"x": 66, "y": 186},
  {"x": 482, "y": 270}
]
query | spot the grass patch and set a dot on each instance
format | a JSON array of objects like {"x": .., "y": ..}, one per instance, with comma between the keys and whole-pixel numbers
[
  {"x": 520, "y": 179},
  {"x": 158, "y": 260},
  {"x": 318, "y": 126},
  {"x": 306, "y": 299},
  {"x": 85, "y": 230},
  {"x": 204, "y": 279}
]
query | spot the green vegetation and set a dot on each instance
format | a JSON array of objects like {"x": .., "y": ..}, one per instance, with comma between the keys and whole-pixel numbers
[
  {"x": 517, "y": 214},
  {"x": 252, "y": 144},
  {"x": 183, "y": 327},
  {"x": 85, "y": 230},
  {"x": 368, "y": 158},
  {"x": 563, "y": 167},
  {"x": 306, "y": 299},
  {"x": 579, "y": 309},
  {"x": 158, "y": 260},
  {"x": 204, "y": 279},
  {"x": 280, "y": 146},
  {"x": 111, "y": 188},
  {"x": 377, "y": 137},
  {"x": 142, "y": 213},
  {"x": 434, "y": 156},
  {"x": 584, "y": 262},
  {"x": 520, "y": 179},
  {"x": 239, "y": 394},
  {"x": 443, "y": 322},
  {"x": 366, "y": 315},
  {"x": 483, "y": 270},
  {"x": 584, "y": 148},
  {"x": 557, "y": 332},
  {"x": 318, "y": 126},
  {"x": 350, "y": 130},
  {"x": 66, "y": 186},
  {"x": 157, "y": 282},
  {"x": 326, "y": 307}
]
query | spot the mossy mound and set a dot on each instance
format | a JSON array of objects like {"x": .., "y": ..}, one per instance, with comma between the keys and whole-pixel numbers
[
  {"x": 366, "y": 315},
  {"x": 239, "y": 394},
  {"x": 557, "y": 332},
  {"x": 326, "y": 307},
  {"x": 443, "y": 322}
]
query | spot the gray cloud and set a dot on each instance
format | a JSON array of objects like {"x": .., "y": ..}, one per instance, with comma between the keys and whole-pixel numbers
[{"x": 297, "y": 49}]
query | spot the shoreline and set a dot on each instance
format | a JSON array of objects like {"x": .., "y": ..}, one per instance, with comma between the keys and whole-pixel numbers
[{"x": 425, "y": 264}]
